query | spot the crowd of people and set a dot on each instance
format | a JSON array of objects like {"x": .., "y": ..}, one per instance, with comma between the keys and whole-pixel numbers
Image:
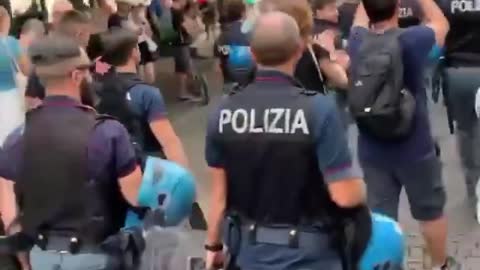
[{"x": 81, "y": 105}]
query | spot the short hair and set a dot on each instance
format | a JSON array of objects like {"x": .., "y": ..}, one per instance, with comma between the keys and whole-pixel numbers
[
  {"x": 320, "y": 4},
  {"x": 380, "y": 10},
  {"x": 56, "y": 55},
  {"x": 71, "y": 20},
  {"x": 233, "y": 10},
  {"x": 273, "y": 48},
  {"x": 119, "y": 44},
  {"x": 35, "y": 26},
  {"x": 299, "y": 10}
]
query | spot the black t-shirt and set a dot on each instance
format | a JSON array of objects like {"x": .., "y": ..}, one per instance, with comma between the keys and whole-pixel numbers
[{"x": 307, "y": 73}]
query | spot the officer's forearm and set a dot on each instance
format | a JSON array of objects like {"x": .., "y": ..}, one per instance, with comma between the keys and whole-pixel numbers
[
  {"x": 215, "y": 220},
  {"x": 175, "y": 152},
  {"x": 8, "y": 205},
  {"x": 217, "y": 205}
]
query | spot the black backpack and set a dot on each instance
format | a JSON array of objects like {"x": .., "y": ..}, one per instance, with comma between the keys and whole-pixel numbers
[{"x": 381, "y": 105}]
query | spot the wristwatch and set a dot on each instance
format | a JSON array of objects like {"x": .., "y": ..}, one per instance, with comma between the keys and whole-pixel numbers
[{"x": 214, "y": 247}]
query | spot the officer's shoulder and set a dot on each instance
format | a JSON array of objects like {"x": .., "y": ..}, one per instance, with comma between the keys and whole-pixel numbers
[
  {"x": 14, "y": 137},
  {"x": 109, "y": 127}
]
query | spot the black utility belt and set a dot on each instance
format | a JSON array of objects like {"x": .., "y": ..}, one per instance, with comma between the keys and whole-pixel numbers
[
  {"x": 285, "y": 236},
  {"x": 66, "y": 244}
]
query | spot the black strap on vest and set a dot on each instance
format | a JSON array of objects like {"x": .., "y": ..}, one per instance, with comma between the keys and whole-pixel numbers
[{"x": 52, "y": 184}]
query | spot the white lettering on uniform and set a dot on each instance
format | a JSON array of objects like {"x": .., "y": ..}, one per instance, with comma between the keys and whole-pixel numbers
[
  {"x": 237, "y": 125},
  {"x": 225, "y": 118},
  {"x": 405, "y": 12},
  {"x": 300, "y": 122},
  {"x": 461, "y": 6},
  {"x": 278, "y": 113},
  {"x": 275, "y": 121},
  {"x": 252, "y": 128}
]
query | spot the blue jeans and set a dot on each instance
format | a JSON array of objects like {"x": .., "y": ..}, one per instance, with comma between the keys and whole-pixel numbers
[{"x": 51, "y": 260}]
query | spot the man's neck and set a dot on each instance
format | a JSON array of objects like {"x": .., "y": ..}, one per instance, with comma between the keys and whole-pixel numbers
[
  {"x": 287, "y": 69},
  {"x": 381, "y": 27},
  {"x": 127, "y": 69},
  {"x": 61, "y": 91}
]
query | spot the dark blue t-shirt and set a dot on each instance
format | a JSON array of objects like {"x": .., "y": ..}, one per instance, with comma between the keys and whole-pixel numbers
[
  {"x": 416, "y": 41},
  {"x": 109, "y": 147},
  {"x": 146, "y": 102}
]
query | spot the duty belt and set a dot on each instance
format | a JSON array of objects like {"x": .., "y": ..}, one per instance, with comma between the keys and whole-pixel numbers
[{"x": 286, "y": 236}]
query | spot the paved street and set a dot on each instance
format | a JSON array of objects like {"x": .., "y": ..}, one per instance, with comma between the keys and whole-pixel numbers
[{"x": 190, "y": 122}]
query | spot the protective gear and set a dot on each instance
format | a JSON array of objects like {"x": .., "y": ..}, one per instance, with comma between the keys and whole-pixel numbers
[
  {"x": 233, "y": 47},
  {"x": 410, "y": 13},
  {"x": 265, "y": 204},
  {"x": 114, "y": 99},
  {"x": 168, "y": 186},
  {"x": 464, "y": 17},
  {"x": 83, "y": 208},
  {"x": 386, "y": 245}
]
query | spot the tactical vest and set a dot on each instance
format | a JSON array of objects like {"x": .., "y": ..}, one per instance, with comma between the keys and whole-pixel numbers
[
  {"x": 114, "y": 101},
  {"x": 463, "y": 40},
  {"x": 269, "y": 154},
  {"x": 55, "y": 191}
]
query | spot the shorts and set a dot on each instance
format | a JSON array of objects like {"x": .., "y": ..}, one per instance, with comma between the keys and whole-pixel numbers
[
  {"x": 146, "y": 56},
  {"x": 183, "y": 59},
  {"x": 423, "y": 184}
]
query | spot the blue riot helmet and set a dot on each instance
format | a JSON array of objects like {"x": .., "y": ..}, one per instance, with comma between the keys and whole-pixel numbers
[
  {"x": 386, "y": 245},
  {"x": 168, "y": 186}
]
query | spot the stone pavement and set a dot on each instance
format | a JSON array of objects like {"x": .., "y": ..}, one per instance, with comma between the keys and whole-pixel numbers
[{"x": 465, "y": 248}]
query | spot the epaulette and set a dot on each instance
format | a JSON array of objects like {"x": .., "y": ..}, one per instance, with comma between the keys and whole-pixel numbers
[{"x": 236, "y": 88}]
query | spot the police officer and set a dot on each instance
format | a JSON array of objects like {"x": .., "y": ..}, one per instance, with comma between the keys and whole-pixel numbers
[
  {"x": 74, "y": 171},
  {"x": 232, "y": 46},
  {"x": 463, "y": 68},
  {"x": 137, "y": 105},
  {"x": 278, "y": 162}
]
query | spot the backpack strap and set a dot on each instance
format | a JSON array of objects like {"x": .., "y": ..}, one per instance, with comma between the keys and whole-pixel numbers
[{"x": 317, "y": 66}]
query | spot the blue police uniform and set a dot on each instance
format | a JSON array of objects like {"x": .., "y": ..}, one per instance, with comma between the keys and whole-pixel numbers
[
  {"x": 462, "y": 60},
  {"x": 35, "y": 157},
  {"x": 290, "y": 143},
  {"x": 233, "y": 48}
]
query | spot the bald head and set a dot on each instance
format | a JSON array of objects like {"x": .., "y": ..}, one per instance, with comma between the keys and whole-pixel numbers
[{"x": 275, "y": 39}]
